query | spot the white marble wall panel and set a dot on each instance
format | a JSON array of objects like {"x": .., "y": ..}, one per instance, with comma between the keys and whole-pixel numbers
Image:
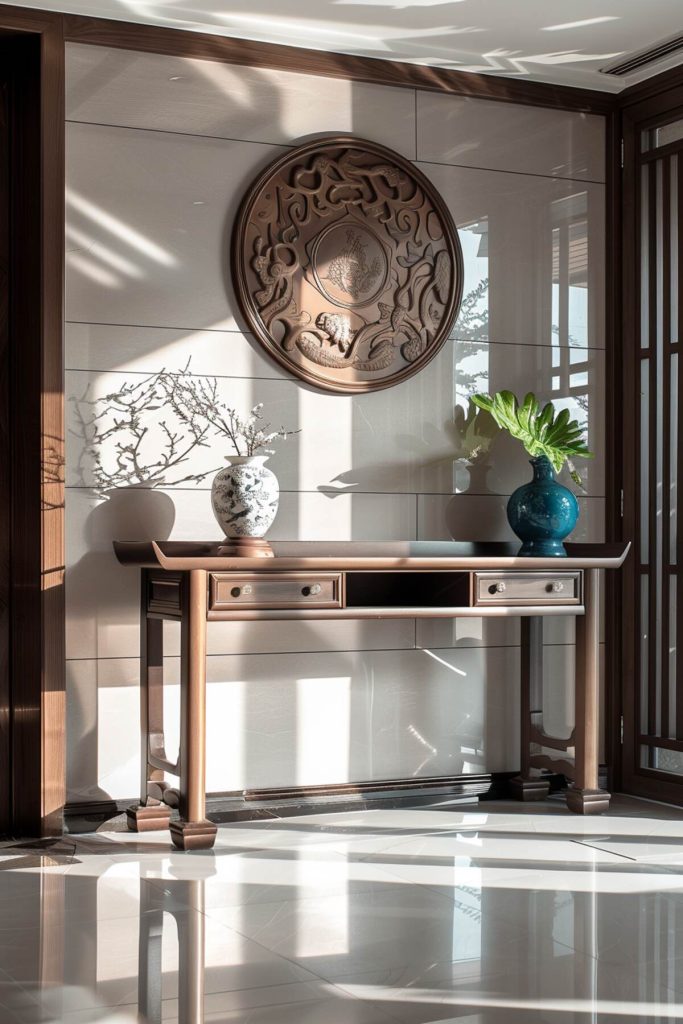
[
  {"x": 298, "y": 719},
  {"x": 506, "y": 223},
  {"x": 558, "y": 693},
  {"x": 402, "y": 440},
  {"x": 503, "y": 632},
  {"x": 160, "y": 150},
  {"x": 572, "y": 378},
  {"x": 149, "y": 216},
  {"x": 102, "y": 621},
  {"x": 305, "y": 718},
  {"x": 471, "y": 132},
  {"x": 203, "y": 97},
  {"x": 102, "y": 737},
  {"x": 123, "y": 349},
  {"x": 483, "y": 517},
  {"x": 395, "y": 441}
]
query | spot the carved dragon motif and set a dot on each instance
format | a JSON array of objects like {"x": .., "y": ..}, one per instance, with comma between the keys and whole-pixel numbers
[{"x": 346, "y": 183}]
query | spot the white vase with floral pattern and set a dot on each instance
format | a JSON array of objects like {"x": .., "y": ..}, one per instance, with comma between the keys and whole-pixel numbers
[{"x": 245, "y": 496}]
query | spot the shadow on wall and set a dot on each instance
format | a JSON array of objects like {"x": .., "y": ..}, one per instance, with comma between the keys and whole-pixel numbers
[{"x": 101, "y": 584}]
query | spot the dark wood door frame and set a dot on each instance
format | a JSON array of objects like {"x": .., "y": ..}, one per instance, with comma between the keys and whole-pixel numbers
[
  {"x": 32, "y": 685},
  {"x": 5, "y": 547},
  {"x": 643, "y": 108}
]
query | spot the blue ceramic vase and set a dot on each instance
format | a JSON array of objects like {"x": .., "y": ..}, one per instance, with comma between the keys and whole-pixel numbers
[{"x": 542, "y": 513}]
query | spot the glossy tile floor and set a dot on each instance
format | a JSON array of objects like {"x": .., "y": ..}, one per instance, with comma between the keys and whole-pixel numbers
[{"x": 488, "y": 914}]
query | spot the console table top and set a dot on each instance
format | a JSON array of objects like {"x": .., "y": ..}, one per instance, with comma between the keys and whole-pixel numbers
[{"x": 366, "y": 555}]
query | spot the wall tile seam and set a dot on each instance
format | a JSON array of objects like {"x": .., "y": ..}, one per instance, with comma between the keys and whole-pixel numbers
[
  {"x": 184, "y": 135},
  {"x": 332, "y": 493},
  {"x": 438, "y": 95},
  {"x": 500, "y": 170},
  {"x": 289, "y": 146},
  {"x": 160, "y": 327},
  {"x": 417, "y": 147},
  {"x": 245, "y": 333},
  {"x": 542, "y": 346},
  {"x": 345, "y": 650},
  {"x": 503, "y": 345}
]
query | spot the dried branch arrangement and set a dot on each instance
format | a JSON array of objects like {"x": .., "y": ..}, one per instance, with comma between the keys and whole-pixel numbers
[
  {"x": 146, "y": 431},
  {"x": 247, "y": 436}
]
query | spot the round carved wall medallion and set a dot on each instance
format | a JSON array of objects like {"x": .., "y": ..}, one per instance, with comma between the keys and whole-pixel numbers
[{"x": 347, "y": 264}]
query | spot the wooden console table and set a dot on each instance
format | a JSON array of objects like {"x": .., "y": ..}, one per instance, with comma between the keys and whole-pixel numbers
[{"x": 194, "y": 583}]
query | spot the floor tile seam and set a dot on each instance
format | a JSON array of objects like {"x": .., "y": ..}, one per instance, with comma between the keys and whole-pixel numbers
[
  {"x": 262, "y": 851},
  {"x": 489, "y": 976},
  {"x": 440, "y": 996},
  {"x": 324, "y": 843},
  {"x": 370, "y": 1003},
  {"x": 362, "y": 884},
  {"x": 590, "y": 836},
  {"x": 437, "y": 891},
  {"x": 421, "y": 835},
  {"x": 267, "y": 949},
  {"x": 313, "y": 898},
  {"x": 590, "y": 1008},
  {"x": 316, "y": 984},
  {"x": 588, "y": 846},
  {"x": 482, "y": 856}
]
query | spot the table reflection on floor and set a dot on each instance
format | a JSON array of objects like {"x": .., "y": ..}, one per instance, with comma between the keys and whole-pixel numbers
[{"x": 482, "y": 915}]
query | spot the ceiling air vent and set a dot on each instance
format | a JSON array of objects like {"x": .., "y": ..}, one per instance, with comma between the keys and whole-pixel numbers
[{"x": 645, "y": 57}]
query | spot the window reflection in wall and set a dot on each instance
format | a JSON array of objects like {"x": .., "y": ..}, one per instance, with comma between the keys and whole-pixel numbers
[{"x": 569, "y": 330}]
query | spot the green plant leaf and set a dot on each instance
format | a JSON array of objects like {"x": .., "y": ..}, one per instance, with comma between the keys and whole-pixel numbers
[{"x": 558, "y": 437}]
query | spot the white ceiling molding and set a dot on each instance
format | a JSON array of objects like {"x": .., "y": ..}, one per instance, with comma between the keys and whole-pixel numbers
[{"x": 557, "y": 41}]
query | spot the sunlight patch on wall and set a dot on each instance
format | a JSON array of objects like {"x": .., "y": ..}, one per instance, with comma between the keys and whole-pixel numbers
[
  {"x": 135, "y": 239},
  {"x": 323, "y": 716}
]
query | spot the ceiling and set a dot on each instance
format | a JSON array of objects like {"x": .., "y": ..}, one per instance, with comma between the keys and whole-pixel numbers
[{"x": 541, "y": 40}]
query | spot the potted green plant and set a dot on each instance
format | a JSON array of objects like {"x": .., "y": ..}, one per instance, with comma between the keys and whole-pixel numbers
[{"x": 543, "y": 512}]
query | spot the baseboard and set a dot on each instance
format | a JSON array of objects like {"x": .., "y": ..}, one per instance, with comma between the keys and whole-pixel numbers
[
  {"x": 89, "y": 815},
  {"x": 252, "y": 805}
]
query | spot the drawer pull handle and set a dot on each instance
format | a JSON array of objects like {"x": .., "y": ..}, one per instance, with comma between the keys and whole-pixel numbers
[
  {"x": 497, "y": 588},
  {"x": 311, "y": 590},
  {"x": 241, "y": 591},
  {"x": 556, "y": 587}
]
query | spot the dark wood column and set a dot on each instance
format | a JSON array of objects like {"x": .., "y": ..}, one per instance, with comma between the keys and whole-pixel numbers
[
  {"x": 4, "y": 465},
  {"x": 32, "y": 668}
]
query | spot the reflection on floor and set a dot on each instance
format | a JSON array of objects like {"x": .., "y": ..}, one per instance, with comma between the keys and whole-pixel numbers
[{"x": 491, "y": 914}]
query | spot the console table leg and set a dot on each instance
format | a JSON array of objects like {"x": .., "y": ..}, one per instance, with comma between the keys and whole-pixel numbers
[
  {"x": 585, "y": 797},
  {"x": 149, "y": 815},
  {"x": 191, "y": 958},
  {"x": 525, "y": 786},
  {"x": 193, "y": 831}
]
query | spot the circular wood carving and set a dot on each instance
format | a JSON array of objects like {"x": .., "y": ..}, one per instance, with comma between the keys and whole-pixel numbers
[{"x": 347, "y": 264}]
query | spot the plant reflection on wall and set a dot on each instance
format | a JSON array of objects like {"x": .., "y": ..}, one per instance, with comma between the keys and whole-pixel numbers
[
  {"x": 566, "y": 382},
  {"x": 145, "y": 433}
]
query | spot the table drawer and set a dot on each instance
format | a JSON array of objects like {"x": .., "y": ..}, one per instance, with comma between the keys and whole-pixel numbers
[
  {"x": 275, "y": 590},
  {"x": 527, "y": 588}
]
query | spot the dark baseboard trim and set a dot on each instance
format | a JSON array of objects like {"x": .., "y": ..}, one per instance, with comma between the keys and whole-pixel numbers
[
  {"x": 438, "y": 793},
  {"x": 441, "y": 783}
]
